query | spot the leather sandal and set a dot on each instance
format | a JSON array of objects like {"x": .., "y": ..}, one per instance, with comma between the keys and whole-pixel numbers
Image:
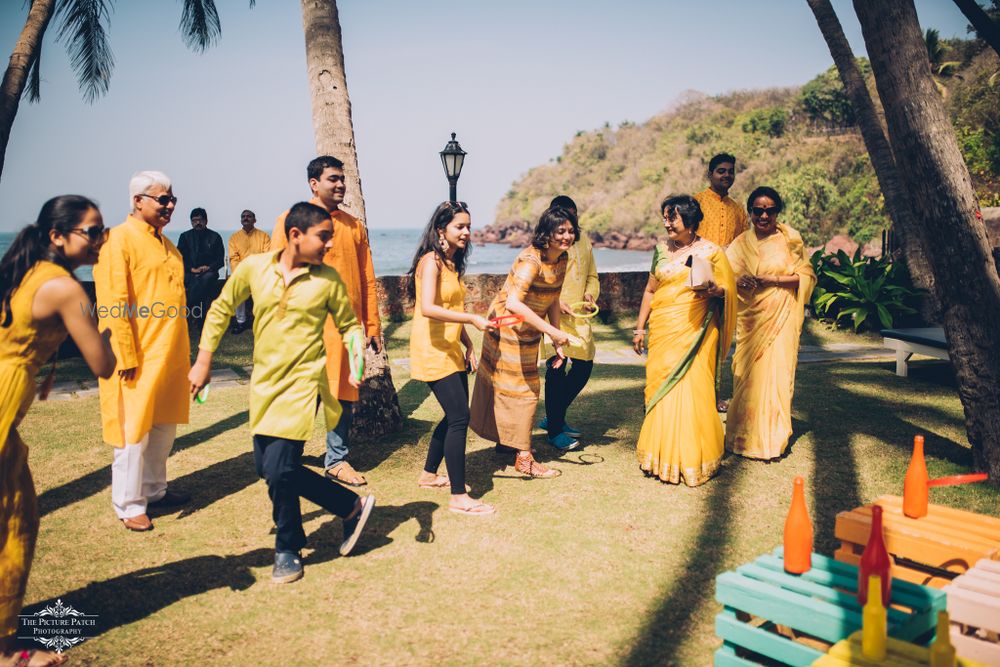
[
  {"x": 138, "y": 524},
  {"x": 528, "y": 466},
  {"x": 344, "y": 473}
]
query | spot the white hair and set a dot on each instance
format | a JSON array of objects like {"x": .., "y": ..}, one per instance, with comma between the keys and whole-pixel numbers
[{"x": 143, "y": 181}]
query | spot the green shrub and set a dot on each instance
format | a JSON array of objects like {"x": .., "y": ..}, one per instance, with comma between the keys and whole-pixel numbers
[
  {"x": 771, "y": 121},
  {"x": 870, "y": 291}
]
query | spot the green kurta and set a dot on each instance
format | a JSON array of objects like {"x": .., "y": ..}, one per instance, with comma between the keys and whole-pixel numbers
[{"x": 289, "y": 362}]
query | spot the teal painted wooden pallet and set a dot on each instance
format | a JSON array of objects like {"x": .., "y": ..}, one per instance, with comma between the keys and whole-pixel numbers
[{"x": 820, "y": 604}]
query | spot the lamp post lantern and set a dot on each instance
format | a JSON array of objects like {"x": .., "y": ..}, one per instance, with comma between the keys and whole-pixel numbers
[{"x": 452, "y": 158}]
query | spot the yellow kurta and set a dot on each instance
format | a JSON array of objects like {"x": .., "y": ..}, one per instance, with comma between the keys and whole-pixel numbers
[
  {"x": 242, "y": 245},
  {"x": 769, "y": 322},
  {"x": 351, "y": 256},
  {"x": 507, "y": 386},
  {"x": 581, "y": 280},
  {"x": 724, "y": 218},
  {"x": 436, "y": 346},
  {"x": 24, "y": 346},
  {"x": 681, "y": 436},
  {"x": 139, "y": 280},
  {"x": 288, "y": 358}
]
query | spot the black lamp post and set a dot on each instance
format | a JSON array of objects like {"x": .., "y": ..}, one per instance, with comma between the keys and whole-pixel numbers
[{"x": 452, "y": 158}]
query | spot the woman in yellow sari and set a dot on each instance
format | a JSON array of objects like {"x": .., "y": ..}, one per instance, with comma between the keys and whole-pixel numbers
[
  {"x": 40, "y": 304},
  {"x": 774, "y": 283},
  {"x": 691, "y": 320}
]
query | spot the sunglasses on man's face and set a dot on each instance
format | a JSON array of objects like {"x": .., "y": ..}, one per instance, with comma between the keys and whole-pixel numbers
[
  {"x": 94, "y": 234},
  {"x": 162, "y": 200},
  {"x": 760, "y": 210}
]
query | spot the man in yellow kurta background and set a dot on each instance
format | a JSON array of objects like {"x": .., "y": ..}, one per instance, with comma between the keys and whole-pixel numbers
[
  {"x": 724, "y": 218},
  {"x": 249, "y": 241},
  {"x": 562, "y": 386},
  {"x": 139, "y": 279},
  {"x": 351, "y": 256}
]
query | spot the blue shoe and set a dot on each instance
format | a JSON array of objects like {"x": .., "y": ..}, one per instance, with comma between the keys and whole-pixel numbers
[
  {"x": 567, "y": 429},
  {"x": 564, "y": 442},
  {"x": 287, "y": 567}
]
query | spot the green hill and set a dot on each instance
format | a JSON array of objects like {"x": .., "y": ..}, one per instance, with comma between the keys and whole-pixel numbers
[{"x": 801, "y": 141}]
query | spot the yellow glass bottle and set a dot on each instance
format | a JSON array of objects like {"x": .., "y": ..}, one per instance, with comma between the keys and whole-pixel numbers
[{"x": 874, "y": 622}]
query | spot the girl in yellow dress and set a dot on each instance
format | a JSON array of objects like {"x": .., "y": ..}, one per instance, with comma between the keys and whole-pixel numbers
[
  {"x": 436, "y": 342},
  {"x": 690, "y": 328},
  {"x": 775, "y": 281},
  {"x": 40, "y": 303},
  {"x": 507, "y": 384}
]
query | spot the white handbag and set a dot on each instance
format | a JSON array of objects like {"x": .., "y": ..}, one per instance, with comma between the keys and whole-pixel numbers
[{"x": 700, "y": 276}]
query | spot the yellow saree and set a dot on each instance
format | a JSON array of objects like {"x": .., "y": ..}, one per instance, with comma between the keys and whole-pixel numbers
[
  {"x": 768, "y": 325},
  {"x": 681, "y": 436}
]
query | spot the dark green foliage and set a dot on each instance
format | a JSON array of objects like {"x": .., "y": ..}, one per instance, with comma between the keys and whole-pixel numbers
[
  {"x": 871, "y": 292},
  {"x": 770, "y": 121},
  {"x": 825, "y": 101}
]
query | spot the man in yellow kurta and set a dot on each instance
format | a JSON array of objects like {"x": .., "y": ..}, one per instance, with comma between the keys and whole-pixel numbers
[
  {"x": 139, "y": 280},
  {"x": 242, "y": 244},
  {"x": 296, "y": 295},
  {"x": 351, "y": 256},
  {"x": 724, "y": 218},
  {"x": 562, "y": 386}
]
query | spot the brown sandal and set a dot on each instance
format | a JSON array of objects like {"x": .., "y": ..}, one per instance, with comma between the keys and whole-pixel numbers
[
  {"x": 528, "y": 466},
  {"x": 344, "y": 473}
]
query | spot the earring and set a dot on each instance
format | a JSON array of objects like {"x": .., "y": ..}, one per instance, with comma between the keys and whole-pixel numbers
[{"x": 443, "y": 242}]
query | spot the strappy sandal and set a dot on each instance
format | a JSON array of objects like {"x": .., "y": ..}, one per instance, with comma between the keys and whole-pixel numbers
[
  {"x": 479, "y": 509},
  {"x": 352, "y": 477},
  {"x": 531, "y": 468}
]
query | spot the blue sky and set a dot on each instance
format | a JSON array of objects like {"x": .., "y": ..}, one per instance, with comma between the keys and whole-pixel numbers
[{"x": 515, "y": 80}]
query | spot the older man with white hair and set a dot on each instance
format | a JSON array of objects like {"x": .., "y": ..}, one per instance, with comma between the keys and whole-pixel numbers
[{"x": 140, "y": 294}]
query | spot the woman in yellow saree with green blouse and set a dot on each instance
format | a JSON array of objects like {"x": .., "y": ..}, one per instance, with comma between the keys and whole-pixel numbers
[
  {"x": 689, "y": 304},
  {"x": 774, "y": 283}
]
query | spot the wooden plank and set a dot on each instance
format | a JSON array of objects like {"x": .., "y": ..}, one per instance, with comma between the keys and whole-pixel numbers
[
  {"x": 763, "y": 642},
  {"x": 975, "y": 609},
  {"x": 848, "y": 653},
  {"x": 971, "y": 648},
  {"x": 725, "y": 656}
]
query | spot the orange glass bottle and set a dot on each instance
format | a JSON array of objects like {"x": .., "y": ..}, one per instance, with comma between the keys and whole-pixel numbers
[
  {"x": 915, "y": 483},
  {"x": 875, "y": 560},
  {"x": 798, "y": 532}
]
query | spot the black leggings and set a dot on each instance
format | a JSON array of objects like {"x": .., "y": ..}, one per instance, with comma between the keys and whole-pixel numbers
[
  {"x": 562, "y": 388},
  {"x": 448, "y": 440}
]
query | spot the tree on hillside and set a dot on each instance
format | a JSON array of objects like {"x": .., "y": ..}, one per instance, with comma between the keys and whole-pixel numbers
[
  {"x": 987, "y": 26},
  {"x": 943, "y": 214},
  {"x": 377, "y": 410},
  {"x": 82, "y": 25}
]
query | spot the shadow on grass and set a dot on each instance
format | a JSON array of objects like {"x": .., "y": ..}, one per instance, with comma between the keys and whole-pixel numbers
[
  {"x": 670, "y": 622},
  {"x": 385, "y": 519},
  {"x": 98, "y": 480}
]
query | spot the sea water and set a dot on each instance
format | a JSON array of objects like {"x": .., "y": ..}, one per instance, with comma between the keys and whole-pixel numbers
[{"x": 392, "y": 254}]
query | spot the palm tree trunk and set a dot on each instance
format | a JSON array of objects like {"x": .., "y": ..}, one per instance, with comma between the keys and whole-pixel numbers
[
  {"x": 16, "y": 77},
  {"x": 986, "y": 27},
  {"x": 377, "y": 410},
  {"x": 944, "y": 206},
  {"x": 896, "y": 202}
]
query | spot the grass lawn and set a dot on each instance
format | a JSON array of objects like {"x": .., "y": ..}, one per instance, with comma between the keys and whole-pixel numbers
[{"x": 599, "y": 566}]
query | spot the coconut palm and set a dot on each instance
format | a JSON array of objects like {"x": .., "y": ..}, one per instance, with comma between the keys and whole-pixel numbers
[
  {"x": 940, "y": 68},
  {"x": 83, "y": 27}
]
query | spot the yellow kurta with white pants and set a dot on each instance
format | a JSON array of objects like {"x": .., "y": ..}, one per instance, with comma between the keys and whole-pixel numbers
[
  {"x": 768, "y": 326},
  {"x": 24, "y": 346},
  {"x": 139, "y": 279},
  {"x": 681, "y": 437}
]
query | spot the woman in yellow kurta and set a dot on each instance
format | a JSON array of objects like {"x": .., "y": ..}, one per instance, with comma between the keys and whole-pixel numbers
[
  {"x": 507, "y": 385},
  {"x": 139, "y": 280},
  {"x": 436, "y": 340},
  {"x": 40, "y": 303},
  {"x": 775, "y": 281},
  {"x": 690, "y": 329},
  {"x": 562, "y": 386}
]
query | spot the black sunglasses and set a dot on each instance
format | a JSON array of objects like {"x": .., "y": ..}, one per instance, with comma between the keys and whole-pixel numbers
[
  {"x": 94, "y": 233},
  {"x": 162, "y": 200},
  {"x": 760, "y": 210}
]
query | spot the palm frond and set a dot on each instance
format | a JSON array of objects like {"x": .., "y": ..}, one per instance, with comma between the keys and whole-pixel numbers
[
  {"x": 200, "y": 26},
  {"x": 83, "y": 30}
]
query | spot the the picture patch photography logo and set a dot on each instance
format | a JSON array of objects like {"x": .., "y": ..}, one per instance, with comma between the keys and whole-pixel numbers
[{"x": 57, "y": 626}]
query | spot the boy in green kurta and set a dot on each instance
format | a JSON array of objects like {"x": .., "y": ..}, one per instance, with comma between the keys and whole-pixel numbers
[{"x": 293, "y": 291}]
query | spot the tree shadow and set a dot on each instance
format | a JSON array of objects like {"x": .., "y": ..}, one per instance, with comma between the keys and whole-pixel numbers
[
  {"x": 213, "y": 483},
  {"x": 98, "y": 480},
  {"x": 670, "y": 622}
]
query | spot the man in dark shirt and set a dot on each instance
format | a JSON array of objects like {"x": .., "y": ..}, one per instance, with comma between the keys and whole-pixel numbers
[{"x": 204, "y": 254}]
